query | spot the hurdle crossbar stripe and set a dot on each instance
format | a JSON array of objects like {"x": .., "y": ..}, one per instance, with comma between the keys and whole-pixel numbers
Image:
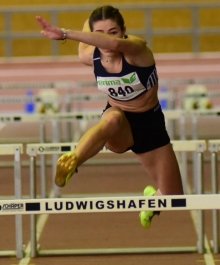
[
  {"x": 174, "y": 114},
  {"x": 110, "y": 204},
  {"x": 13, "y": 99},
  {"x": 9, "y": 149},
  {"x": 67, "y": 116},
  {"x": 189, "y": 145},
  {"x": 205, "y": 112},
  {"x": 88, "y": 97},
  {"x": 62, "y": 116},
  {"x": 10, "y": 118},
  {"x": 60, "y": 148},
  {"x": 214, "y": 145}
]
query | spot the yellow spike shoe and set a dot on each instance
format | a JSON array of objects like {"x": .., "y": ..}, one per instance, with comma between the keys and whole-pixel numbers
[
  {"x": 146, "y": 216},
  {"x": 66, "y": 167}
]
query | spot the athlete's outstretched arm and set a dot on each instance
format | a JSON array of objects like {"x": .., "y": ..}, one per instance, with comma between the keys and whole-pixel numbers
[{"x": 131, "y": 45}]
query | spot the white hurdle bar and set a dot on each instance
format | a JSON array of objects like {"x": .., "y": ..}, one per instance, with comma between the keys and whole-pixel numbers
[
  {"x": 16, "y": 150},
  {"x": 201, "y": 113},
  {"x": 198, "y": 146},
  {"x": 214, "y": 148},
  {"x": 110, "y": 204},
  {"x": 171, "y": 117}
]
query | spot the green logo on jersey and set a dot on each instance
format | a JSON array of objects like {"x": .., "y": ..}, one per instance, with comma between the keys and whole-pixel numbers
[
  {"x": 129, "y": 80},
  {"x": 109, "y": 82}
]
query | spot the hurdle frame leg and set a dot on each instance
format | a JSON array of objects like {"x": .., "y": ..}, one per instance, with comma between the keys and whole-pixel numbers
[
  {"x": 194, "y": 122},
  {"x": 215, "y": 213},
  {"x": 214, "y": 148},
  {"x": 184, "y": 175},
  {"x": 18, "y": 195},
  {"x": 33, "y": 232},
  {"x": 200, "y": 190},
  {"x": 55, "y": 157},
  {"x": 43, "y": 162},
  {"x": 68, "y": 108}
]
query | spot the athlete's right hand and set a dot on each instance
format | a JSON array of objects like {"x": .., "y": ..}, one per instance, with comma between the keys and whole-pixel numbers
[{"x": 49, "y": 31}]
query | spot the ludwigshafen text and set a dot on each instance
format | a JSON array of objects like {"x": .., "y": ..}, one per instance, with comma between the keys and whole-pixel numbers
[{"x": 82, "y": 205}]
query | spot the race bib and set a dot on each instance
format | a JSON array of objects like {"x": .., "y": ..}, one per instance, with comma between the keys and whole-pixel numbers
[{"x": 122, "y": 88}]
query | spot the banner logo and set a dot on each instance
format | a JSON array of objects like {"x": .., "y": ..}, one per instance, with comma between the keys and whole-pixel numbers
[
  {"x": 12, "y": 207},
  {"x": 129, "y": 80},
  {"x": 49, "y": 149}
]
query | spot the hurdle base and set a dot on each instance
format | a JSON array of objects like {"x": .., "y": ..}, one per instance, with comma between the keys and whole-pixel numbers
[{"x": 114, "y": 251}]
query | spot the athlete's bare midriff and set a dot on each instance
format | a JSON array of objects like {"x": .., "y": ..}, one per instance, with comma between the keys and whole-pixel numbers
[{"x": 143, "y": 103}]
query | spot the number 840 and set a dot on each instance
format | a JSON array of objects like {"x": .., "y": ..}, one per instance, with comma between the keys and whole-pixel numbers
[{"x": 121, "y": 91}]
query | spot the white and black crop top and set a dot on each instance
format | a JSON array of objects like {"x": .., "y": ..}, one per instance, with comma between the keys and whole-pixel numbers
[{"x": 127, "y": 85}]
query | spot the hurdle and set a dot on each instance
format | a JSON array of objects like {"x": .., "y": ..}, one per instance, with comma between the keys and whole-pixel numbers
[
  {"x": 198, "y": 146},
  {"x": 199, "y": 114},
  {"x": 214, "y": 148},
  {"x": 8, "y": 118},
  {"x": 16, "y": 150},
  {"x": 195, "y": 116},
  {"x": 171, "y": 118},
  {"x": 30, "y": 118},
  {"x": 111, "y": 204},
  {"x": 54, "y": 119}
]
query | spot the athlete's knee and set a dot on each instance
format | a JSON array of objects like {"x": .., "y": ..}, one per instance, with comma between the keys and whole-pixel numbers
[
  {"x": 116, "y": 148},
  {"x": 114, "y": 119}
]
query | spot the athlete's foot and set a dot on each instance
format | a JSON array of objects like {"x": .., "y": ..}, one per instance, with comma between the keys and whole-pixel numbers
[
  {"x": 146, "y": 216},
  {"x": 66, "y": 167}
]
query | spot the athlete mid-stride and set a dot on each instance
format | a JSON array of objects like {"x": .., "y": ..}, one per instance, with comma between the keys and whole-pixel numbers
[{"x": 125, "y": 70}]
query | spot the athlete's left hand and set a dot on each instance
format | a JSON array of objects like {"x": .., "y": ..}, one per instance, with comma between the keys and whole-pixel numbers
[{"x": 49, "y": 31}]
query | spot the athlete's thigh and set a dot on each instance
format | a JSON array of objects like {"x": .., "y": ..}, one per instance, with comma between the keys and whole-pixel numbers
[
  {"x": 122, "y": 139},
  {"x": 161, "y": 165}
]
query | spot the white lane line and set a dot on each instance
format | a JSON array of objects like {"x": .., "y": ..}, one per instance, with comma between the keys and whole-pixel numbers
[{"x": 41, "y": 222}]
